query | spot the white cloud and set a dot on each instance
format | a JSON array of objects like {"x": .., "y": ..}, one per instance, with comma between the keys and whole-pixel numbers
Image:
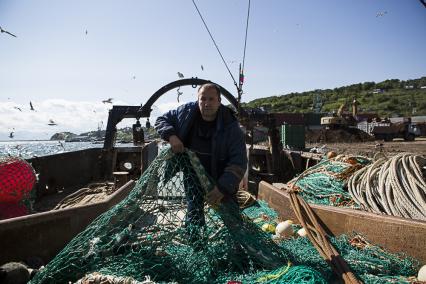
[
  {"x": 72, "y": 116},
  {"x": 69, "y": 116}
]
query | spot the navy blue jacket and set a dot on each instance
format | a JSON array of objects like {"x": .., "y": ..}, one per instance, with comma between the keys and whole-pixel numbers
[{"x": 229, "y": 158}]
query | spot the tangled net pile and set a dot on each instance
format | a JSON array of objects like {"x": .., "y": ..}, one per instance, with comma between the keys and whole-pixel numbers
[
  {"x": 146, "y": 239},
  {"x": 147, "y": 235},
  {"x": 326, "y": 182},
  {"x": 370, "y": 263},
  {"x": 394, "y": 186}
]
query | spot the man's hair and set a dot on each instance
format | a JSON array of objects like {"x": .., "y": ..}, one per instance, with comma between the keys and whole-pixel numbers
[{"x": 210, "y": 86}]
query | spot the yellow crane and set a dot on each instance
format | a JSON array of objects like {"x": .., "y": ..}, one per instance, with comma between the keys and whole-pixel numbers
[{"x": 340, "y": 119}]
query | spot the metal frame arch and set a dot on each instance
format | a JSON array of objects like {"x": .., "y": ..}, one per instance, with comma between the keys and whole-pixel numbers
[{"x": 145, "y": 110}]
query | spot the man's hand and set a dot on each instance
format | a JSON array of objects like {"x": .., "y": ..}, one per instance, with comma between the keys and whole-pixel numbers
[
  {"x": 177, "y": 145},
  {"x": 244, "y": 183},
  {"x": 214, "y": 197}
]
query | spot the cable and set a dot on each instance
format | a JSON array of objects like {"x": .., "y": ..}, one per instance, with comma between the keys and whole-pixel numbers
[
  {"x": 245, "y": 39},
  {"x": 214, "y": 42},
  {"x": 241, "y": 73}
]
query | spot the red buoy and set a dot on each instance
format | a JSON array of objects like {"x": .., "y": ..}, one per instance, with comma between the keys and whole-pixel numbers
[
  {"x": 17, "y": 179},
  {"x": 12, "y": 210}
]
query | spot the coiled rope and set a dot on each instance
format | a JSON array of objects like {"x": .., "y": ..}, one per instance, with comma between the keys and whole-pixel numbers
[{"x": 394, "y": 186}]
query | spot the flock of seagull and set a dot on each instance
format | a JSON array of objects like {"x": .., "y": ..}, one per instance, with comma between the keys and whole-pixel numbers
[
  {"x": 109, "y": 100},
  {"x": 51, "y": 121}
]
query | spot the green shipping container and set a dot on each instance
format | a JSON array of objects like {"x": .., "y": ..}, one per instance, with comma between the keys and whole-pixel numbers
[{"x": 293, "y": 136}]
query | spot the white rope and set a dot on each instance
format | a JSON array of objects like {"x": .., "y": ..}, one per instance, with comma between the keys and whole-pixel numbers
[{"x": 394, "y": 186}]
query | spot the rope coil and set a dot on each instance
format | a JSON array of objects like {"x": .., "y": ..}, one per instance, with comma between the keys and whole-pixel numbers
[{"x": 394, "y": 186}]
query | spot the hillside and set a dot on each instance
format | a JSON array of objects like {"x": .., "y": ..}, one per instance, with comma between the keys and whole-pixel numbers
[{"x": 388, "y": 98}]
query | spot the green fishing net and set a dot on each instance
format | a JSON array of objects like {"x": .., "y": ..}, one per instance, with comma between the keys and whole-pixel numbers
[
  {"x": 165, "y": 232},
  {"x": 326, "y": 182},
  {"x": 370, "y": 263}
]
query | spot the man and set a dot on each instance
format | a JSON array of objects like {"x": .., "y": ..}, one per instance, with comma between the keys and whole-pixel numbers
[{"x": 211, "y": 130}]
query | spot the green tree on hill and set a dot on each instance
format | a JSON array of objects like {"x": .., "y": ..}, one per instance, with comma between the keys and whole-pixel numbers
[{"x": 396, "y": 99}]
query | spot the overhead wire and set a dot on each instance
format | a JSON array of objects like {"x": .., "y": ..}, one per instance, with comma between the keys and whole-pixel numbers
[
  {"x": 238, "y": 86},
  {"x": 245, "y": 38},
  {"x": 241, "y": 75},
  {"x": 214, "y": 42}
]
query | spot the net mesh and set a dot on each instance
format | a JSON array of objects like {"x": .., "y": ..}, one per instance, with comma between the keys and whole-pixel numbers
[
  {"x": 164, "y": 231},
  {"x": 369, "y": 262},
  {"x": 326, "y": 182},
  {"x": 17, "y": 179}
]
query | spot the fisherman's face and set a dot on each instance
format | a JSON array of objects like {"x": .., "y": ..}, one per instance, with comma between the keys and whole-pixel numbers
[{"x": 209, "y": 103}]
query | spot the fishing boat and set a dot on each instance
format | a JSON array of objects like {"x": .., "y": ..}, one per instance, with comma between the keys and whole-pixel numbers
[
  {"x": 72, "y": 189},
  {"x": 64, "y": 180},
  {"x": 45, "y": 234}
]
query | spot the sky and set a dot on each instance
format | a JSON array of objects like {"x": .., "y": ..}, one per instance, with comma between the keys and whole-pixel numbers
[{"x": 69, "y": 56}]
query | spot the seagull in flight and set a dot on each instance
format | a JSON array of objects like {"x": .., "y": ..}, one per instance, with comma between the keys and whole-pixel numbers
[
  {"x": 31, "y": 106},
  {"x": 17, "y": 108},
  {"x": 180, "y": 75},
  {"x": 4, "y": 31},
  {"x": 52, "y": 122},
  {"x": 381, "y": 14},
  {"x": 108, "y": 101},
  {"x": 202, "y": 67}
]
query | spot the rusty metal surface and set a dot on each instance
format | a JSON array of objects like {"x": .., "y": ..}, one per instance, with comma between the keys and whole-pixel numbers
[
  {"x": 45, "y": 234},
  {"x": 56, "y": 172}
]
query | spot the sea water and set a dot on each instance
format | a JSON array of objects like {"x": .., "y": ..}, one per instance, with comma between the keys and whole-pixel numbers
[{"x": 31, "y": 149}]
